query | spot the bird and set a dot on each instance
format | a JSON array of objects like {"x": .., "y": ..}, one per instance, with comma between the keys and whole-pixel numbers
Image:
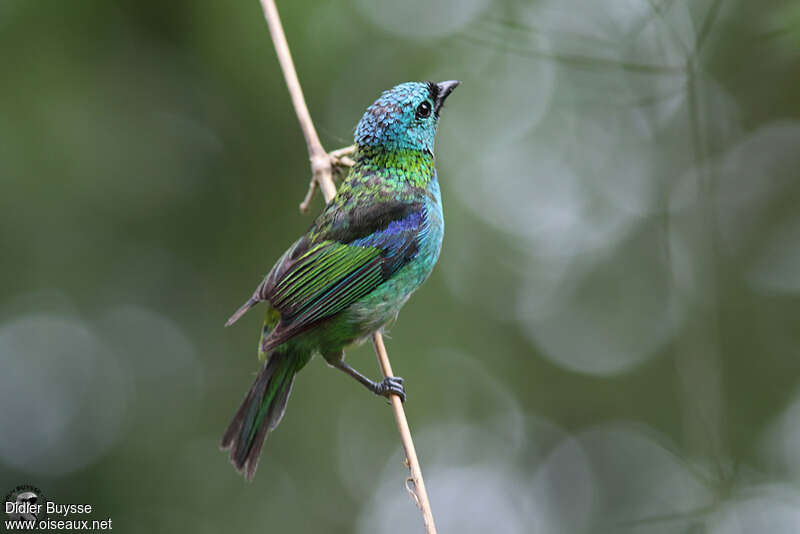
[{"x": 372, "y": 246}]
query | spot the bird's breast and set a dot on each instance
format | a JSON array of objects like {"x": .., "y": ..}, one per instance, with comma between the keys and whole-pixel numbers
[
  {"x": 431, "y": 239},
  {"x": 383, "y": 304}
]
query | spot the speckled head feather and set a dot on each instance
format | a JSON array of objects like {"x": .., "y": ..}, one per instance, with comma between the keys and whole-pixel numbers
[{"x": 404, "y": 117}]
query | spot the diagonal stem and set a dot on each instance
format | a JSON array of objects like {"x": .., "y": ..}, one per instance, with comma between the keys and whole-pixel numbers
[
  {"x": 419, "y": 494},
  {"x": 320, "y": 162},
  {"x": 322, "y": 167}
]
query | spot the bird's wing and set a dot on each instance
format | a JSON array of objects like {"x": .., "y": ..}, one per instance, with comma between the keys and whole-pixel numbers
[{"x": 324, "y": 272}]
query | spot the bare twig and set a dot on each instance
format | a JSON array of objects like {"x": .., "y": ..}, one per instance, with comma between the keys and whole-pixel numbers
[
  {"x": 322, "y": 165},
  {"x": 419, "y": 494},
  {"x": 320, "y": 161}
]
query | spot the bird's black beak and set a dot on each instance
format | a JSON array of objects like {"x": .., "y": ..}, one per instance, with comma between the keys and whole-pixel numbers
[{"x": 444, "y": 90}]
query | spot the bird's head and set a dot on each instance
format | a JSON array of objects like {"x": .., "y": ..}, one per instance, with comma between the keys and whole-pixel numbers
[{"x": 405, "y": 116}]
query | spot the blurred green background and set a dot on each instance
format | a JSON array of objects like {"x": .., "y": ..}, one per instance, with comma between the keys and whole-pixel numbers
[{"x": 610, "y": 342}]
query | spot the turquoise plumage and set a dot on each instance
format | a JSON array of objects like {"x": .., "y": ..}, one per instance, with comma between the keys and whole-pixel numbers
[{"x": 372, "y": 246}]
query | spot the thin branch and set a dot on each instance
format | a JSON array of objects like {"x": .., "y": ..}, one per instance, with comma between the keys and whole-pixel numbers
[
  {"x": 575, "y": 60},
  {"x": 320, "y": 162},
  {"x": 705, "y": 28},
  {"x": 418, "y": 493},
  {"x": 322, "y": 165}
]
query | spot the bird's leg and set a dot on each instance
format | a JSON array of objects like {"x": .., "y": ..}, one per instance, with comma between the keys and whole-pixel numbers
[{"x": 392, "y": 385}]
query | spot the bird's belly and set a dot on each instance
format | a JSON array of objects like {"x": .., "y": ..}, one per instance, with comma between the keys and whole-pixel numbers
[{"x": 383, "y": 304}]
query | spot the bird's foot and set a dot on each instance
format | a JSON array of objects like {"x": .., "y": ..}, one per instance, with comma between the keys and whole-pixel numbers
[
  {"x": 392, "y": 385},
  {"x": 340, "y": 158}
]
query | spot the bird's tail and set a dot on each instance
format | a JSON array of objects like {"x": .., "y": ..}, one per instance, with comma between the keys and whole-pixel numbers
[
  {"x": 252, "y": 301},
  {"x": 260, "y": 412}
]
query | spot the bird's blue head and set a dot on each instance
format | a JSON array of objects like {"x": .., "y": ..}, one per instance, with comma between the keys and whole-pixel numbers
[{"x": 405, "y": 116}]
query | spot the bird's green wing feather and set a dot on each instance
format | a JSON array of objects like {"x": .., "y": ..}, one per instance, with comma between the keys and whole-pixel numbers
[
  {"x": 316, "y": 280},
  {"x": 325, "y": 280},
  {"x": 334, "y": 273}
]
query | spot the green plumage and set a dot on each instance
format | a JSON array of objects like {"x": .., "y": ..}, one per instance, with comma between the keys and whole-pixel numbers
[{"x": 371, "y": 247}]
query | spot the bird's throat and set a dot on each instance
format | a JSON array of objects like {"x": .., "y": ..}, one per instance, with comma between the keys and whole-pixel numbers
[{"x": 414, "y": 167}]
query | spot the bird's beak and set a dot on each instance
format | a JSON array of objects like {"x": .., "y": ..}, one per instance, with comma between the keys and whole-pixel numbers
[{"x": 445, "y": 88}]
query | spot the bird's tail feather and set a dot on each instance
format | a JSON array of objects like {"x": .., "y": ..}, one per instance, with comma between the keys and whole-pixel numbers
[
  {"x": 252, "y": 301},
  {"x": 260, "y": 412}
]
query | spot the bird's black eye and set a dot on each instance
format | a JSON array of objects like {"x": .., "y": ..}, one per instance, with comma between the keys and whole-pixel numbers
[{"x": 424, "y": 110}]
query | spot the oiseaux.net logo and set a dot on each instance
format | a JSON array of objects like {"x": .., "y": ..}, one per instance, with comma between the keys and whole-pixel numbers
[{"x": 27, "y": 508}]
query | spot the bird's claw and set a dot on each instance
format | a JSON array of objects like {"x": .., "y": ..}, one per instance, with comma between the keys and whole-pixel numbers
[{"x": 391, "y": 385}]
